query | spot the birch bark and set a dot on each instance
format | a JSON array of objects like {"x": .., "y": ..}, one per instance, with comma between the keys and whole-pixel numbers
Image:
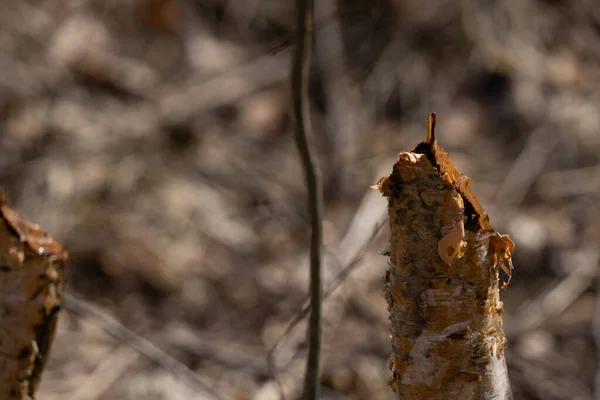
[
  {"x": 31, "y": 284},
  {"x": 442, "y": 284}
]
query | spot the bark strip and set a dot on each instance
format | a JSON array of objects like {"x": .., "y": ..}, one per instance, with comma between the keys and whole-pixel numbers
[
  {"x": 31, "y": 284},
  {"x": 442, "y": 284}
]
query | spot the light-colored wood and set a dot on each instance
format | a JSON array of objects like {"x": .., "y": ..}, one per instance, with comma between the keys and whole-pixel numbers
[{"x": 442, "y": 284}]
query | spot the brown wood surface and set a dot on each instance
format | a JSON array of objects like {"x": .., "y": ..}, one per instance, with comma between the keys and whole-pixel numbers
[
  {"x": 31, "y": 284},
  {"x": 442, "y": 284}
]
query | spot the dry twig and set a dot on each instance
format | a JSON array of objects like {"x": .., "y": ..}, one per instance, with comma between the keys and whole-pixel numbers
[
  {"x": 140, "y": 344},
  {"x": 561, "y": 296},
  {"x": 300, "y": 100}
]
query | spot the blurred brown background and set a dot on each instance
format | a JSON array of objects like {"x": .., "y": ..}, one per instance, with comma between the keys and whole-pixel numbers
[{"x": 153, "y": 139}]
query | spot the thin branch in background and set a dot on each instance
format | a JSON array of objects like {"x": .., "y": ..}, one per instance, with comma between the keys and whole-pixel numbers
[
  {"x": 108, "y": 371},
  {"x": 138, "y": 343},
  {"x": 300, "y": 75},
  {"x": 562, "y": 295},
  {"x": 333, "y": 286},
  {"x": 367, "y": 222},
  {"x": 527, "y": 167},
  {"x": 572, "y": 182},
  {"x": 352, "y": 249}
]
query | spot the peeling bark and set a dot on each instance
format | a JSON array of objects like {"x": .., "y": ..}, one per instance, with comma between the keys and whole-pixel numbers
[
  {"x": 31, "y": 285},
  {"x": 442, "y": 284}
]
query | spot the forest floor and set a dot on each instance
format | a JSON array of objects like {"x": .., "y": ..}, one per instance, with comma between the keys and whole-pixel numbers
[{"x": 152, "y": 138}]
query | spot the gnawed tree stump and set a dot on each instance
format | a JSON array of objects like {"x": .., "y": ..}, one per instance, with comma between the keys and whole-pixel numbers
[
  {"x": 32, "y": 278},
  {"x": 442, "y": 284}
]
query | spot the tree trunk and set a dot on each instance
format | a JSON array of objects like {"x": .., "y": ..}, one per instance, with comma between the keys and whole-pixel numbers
[
  {"x": 442, "y": 284},
  {"x": 31, "y": 284}
]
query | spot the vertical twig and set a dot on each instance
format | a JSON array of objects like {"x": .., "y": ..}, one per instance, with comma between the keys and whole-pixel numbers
[{"x": 300, "y": 75}]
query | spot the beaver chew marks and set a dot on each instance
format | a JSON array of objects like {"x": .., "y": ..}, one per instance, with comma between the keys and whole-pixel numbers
[
  {"x": 32, "y": 277},
  {"x": 442, "y": 284}
]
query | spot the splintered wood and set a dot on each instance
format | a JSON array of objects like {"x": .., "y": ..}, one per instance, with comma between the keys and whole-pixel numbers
[
  {"x": 31, "y": 284},
  {"x": 442, "y": 284}
]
